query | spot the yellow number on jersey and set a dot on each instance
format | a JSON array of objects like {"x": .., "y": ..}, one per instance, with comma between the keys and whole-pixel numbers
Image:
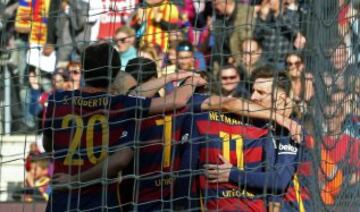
[
  {"x": 76, "y": 140},
  {"x": 239, "y": 147},
  {"x": 167, "y": 122}
]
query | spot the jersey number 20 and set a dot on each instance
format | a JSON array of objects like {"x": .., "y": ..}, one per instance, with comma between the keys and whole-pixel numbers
[{"x": 76, "y": 140}]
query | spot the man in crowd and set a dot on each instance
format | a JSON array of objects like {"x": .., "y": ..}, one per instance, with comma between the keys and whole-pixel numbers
[
  {"x": 250, "y": 58},
  {"x": 231, "y": 25}
]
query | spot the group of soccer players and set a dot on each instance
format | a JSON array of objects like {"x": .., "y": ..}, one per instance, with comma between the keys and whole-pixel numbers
[{"x": 184, "y": 151}]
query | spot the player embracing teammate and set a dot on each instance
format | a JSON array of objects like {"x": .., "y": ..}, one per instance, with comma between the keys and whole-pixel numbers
[{"x": 220, "y": 161}]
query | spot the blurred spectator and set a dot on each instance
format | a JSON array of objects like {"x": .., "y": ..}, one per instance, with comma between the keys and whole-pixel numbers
[
  {"x": 344, "y": 22},
  {"x": 37, "y": 180},
  {"x": 277, "y": 29},
  {"x": 156, "y": 19},
  {"x": 302, "y": 82},
  {"x": 124, "y": 39},
  {"x": 108, "y": 15},
  {"x": 188, "y": 58},
  {"x": 231, "y": 24},
  {"x": 169, "y": 60},
  {"x": 151, "y": 52},
  {"x": 68, "y": 29},
  {"x": 355, "y": 33},
  {"x": 185, "y": 60},
  {"x": 39, "y": 97},
  {"x": 230, "y": 82},
  {"x": 34, "y": 151},
  {"x": 75, "y": 76},
  {"x": 343, "y": 75},
  {"x": 250, "y": 58}
]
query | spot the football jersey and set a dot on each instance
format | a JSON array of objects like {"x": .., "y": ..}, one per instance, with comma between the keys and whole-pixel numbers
[
  {"x": 157, "y": 160},
  {"x": 214, "y": 134},
  {"x": 293, "y": 164},
  {"x": 86, "y": 127}
]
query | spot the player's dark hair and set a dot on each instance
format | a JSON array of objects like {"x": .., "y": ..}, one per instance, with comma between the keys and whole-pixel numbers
[
  {"x": 280, "y": 78},
  {"x": 101, "y": 63},
  {"x": 142, "y": 69}
]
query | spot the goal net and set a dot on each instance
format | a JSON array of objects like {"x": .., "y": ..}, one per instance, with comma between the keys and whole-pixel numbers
[{"x": 228, "y": 105}]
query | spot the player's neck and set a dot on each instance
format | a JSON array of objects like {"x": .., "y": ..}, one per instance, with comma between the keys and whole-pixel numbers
[{"x": 91, "y": 89}]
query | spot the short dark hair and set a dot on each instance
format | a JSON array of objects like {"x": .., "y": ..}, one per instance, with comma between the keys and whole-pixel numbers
[
  {"x": 101, "y": 63},
  {"x": 281, "y": 78},
  {"x": 142, "y": 69}
]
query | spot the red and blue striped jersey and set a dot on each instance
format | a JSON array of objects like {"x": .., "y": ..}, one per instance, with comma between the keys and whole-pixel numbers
[
  {"x": 213, "y": 134},
  {"x": 157, "y": 160},
  {"x": 86, "y": 127},
  {"x": 288, "y": 177},
  {"x": 298, "y": 194}
]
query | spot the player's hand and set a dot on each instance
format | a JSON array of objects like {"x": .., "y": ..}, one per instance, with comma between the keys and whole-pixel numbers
[
  {"x": 195, "y": 81},
  {"x": 218, "y": 173},
  {"x": 295, "y": 130},
  {"x": 62, "y": 181},
  {"x": 180, "y": 76},
  {"x": 299, "y": 41}
]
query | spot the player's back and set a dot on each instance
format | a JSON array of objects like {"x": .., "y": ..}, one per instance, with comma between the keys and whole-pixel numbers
[
  {"x": 214, "y": 134},
  {"x": 158, "y": 159},
  {"x": 85, "y": 128}
]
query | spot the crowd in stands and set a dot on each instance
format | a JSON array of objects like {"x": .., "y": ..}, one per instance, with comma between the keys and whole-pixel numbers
[{"x": 224, "y": 40}]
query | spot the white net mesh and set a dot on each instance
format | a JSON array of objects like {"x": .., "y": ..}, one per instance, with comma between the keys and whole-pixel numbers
[{"x": 145, "y": 142}]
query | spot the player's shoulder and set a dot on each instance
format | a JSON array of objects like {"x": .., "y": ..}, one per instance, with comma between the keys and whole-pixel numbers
[{"x": 196, "y": 97}]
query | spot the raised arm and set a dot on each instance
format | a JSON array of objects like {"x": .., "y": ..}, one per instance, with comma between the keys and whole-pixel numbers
[
  {"x": 178, "y": 98},
  {"x": 247, "y": 108},
  {"x": 151, "y": 87}
]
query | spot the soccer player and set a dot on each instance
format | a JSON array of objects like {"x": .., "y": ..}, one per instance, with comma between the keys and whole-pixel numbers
[
  {"x": 215, "y": 137},
  {"x": 212, "y": 136},
  {"x": 159, "y": 155},
  {"x": 83, "y": 127},
  {"x": 285, "y": 177}
]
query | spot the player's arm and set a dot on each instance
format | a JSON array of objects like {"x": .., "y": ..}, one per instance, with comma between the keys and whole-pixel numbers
[
  {"x": 277, "y": 178},
  {"x": 109, "y": 167},
  {"x": 176, "y": 99},
  {"x": 151, "y": 87},
  {"x": 247, "y": 108}
]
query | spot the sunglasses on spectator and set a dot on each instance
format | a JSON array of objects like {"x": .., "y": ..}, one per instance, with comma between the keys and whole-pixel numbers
[
  {"x": 228, "y": 77},
  {"x": 297, "y": 63}
]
